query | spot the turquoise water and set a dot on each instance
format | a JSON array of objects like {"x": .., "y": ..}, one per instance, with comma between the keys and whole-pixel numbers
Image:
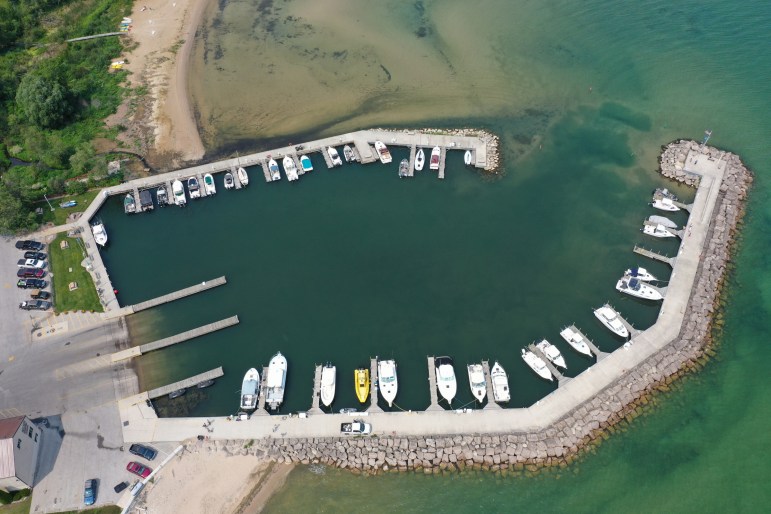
[{"x": 352, "y": 263}]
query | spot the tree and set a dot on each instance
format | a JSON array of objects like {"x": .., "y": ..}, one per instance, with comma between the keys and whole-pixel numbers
[
  {"x": 12, "y": 214},
  {"x": 82, "y": 160},
  {"x": 45, "y": 101}
]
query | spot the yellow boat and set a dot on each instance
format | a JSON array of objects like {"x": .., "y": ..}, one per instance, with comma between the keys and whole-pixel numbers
[{"x": 361, "y": 383}]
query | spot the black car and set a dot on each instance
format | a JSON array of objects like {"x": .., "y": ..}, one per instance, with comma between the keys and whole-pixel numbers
[
  {"x": 31, "y": 283},
  {"x": 29, "y": 245},
  {"x": 120, "y": 487},
  {"x": 30, "y": 273},
  {"x": 143, "y": 451},
  {"x": 40, "y": 256},
  {"x": 35, "y": 305},
  {"x": 37, "y": 294}
]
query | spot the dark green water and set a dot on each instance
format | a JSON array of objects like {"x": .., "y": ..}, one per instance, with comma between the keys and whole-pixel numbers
[{"x": 353, "y": 263}]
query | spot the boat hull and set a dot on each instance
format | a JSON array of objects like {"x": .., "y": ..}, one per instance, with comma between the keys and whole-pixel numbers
[
  {"x": 536, "y": 364},
  {"x": 606, "y": 317},
  {"x": 476, "y": 380},
  {"x": 500, "y": 380},
  {"x": 388, "y": 383},
  {"x": 361, "y": 384},
  {"x": 328, "y": 380},
  {"x": 576, "y": 342}
]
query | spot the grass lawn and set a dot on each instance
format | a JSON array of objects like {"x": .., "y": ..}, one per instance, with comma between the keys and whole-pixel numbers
[
  {"x": 21, "y": 507},
  {"x": 61, "y": 260},
  {"x": 110, "y": 509},
  {"x": 59, "y": 215}
]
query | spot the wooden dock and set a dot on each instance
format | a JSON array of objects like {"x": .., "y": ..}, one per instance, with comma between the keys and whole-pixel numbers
[
  {"x": 596, "y": 351},
  {"x": 373, "y": 406},
  {"x": 316, "y": 390},
  {"x": 236, "y": 181},
  {"x": 261, "y": 398},
  {"x": 203, "y": 286},
  {"x": 184, "y": 384},
  {"x": 432, "y": 385},
  {"x": 327, "y": 158},
  {"x": 201, "y": 185},
  {"x": 552, "y": 368},
  {"x": 442, "y": 162},
  {"x": 298, "y": 165},
  {"x": 190, "y": 334},
  {"x": 169, "y": 193},
  {"x": 489, "y": 381},
  {"x": 639, "y": 250}
]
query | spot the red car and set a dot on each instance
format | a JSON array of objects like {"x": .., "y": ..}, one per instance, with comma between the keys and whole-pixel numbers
[
  {"x": 31, "y": 273},
  {"x": 138, "y": 469}
]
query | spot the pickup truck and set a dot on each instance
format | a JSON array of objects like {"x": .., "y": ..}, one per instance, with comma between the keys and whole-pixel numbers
[{"x": 358, "y": 427}]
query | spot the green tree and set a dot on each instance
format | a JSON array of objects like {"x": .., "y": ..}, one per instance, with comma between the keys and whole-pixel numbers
[
  {"x": 13, "y": 216},
  {"x": 45, "y": 101},
  {"x": 82, "y": 160}
]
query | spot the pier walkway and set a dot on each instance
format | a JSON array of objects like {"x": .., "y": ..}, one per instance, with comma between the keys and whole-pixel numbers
[
  {"x": 639, "y": 250},
  {"x": 184, "y": 384},
  {"x": 489, "y": 381},
  {"x": 373, "y": 406},
  {"x": 596, "y": 351},
  {"x": 176, "y": 295},
  {"x": 432, "y": 385},
  {"x": 316, "y": 391}
]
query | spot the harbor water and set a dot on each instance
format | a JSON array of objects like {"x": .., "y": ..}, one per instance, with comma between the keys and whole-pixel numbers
[{"x": 352, "y": 263}]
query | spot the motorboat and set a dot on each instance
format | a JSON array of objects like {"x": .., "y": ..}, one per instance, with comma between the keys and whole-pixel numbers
[
  {"x": 477, "y": 382},
  {"x": 193, "y": 188},
  {"x": 349, "y": 410},
  {"x": 638, "y": 288},
  {"x": 336, "y": 160},
  {"x": 420, "y": 159},
  {"x": 208, "y": 183},
  {"x": 610, "y": 319},
  {"x": 100, "y": 234},
  {"x": 230, "y": 183},
  {"x": 434, "y": 162},
  {"x": 162, "y": 197},
  {"x": 659, "y": 231},
  {"x": 382, "y": 152},
  {"x": 664, "y": 204},
  {"x": 387, "y": 381},
  {"x": 177, "y": 393},
  {"x": 663, "y": 192},
  {"x": 500, "y": 382},
  {"x": 348, "y": 154},
  {"x": 290, "y": 168},
  {"x": 536, "y": 364},
  {"x": 467, "y": 158},
  {"x": 576, "y": 341},
  {"x": 178, "y": 190},
  {"x": 275, "y": 174},
  {"x": 328, "y": 379},
  {"x": 663, "y": 220},
  {"x": 640, "y": 274},
  {"x": 361, "y": 383},
  {"x": 243, "y": 176},
  {"x": 250, "y": 390},
  {"x": 446, "y": 383},
  {"x": 129, "y": 205},
  {"x": 404, "y": 168},
  {"x": 205, "y": 384},
  {"x": 145, "y": 201},
  {"x": 552, "y": 353},
  {"x": 306, "y": 163},
  {"x": 68, "y": 203},
  {"x": 275, "y": 383}
]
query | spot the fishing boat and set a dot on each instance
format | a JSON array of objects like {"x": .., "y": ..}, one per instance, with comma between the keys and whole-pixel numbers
[
  {"x": 177, "y": 393},
  {"x": 100, "y": 234},
  {"x": 290, "y": 168},
  {"x": 348, "y": 154},
  {"x": 129, "y": 205},
  {"x": 178, "y": 190},
  {"x": 243, "y": 176},
  {"x": 640, "y": 274},
  {"x": 328, "y": 379},
  {"x": 536, "y": 364},
  {"x": 336, "y": 160},
  {"x": 230, "y": 183},
  {"x": 446, "y": 383},
  {"x": 404, "y": 168},
  {"x": 306, "y": 163},
  {"x": 610, "y": 319},
  {"x": 659, "y": 231},
  {"x": 387, "y": 381},
  {"x": 638, "y": 288},
  {"x": 205, "y": 384},
  {"x": 552, "y": 353},
  {"x": 275, "y": 174},
  {"x": 500, "y": 382},
  {"x": 663, "y": 220},
  {"x": 467, "y": 158},
  {"x": 434, "y": 162},
  {"x": 476, "y": 380},
  {"x": 576, "y": 341},
  {"x": 361, "y": 384},
  {"x": 382, "y": 152},
  {"x": 276, "y": 381},
  {"x": 250, "y": 390},
  {"x": 162, "y": 197},
  {"x": 420, "y": 159},
  {"x": 193, "y": 188},
  {"x": 664, "y": 204},
  {"x": 208, "y": 183}
]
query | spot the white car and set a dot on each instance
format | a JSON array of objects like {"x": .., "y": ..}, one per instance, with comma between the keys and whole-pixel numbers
[{"x": 31, "y": 263}]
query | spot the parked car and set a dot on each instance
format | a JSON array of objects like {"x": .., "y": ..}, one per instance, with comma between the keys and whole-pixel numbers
[
  {"x": 35, "y": 305},
  {"x": 138, "y": 469},
  {"x": 31, "y": 283},
  {"x": 39, "y": 294},
  {"x": 121, "y": 487},
  {"x": 30, "y": 273},
  {"x": 35, "y": 255},
  {"x": 89, "y": 492},
  {"x": 30, "y": 263},
  {"x": 143, "y": 451},
  {"x": 29, "y": 245}
]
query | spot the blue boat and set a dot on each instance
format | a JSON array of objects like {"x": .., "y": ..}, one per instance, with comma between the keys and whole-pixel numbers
[
  {"x": 305, "y": 162},
  {"x": 69, "y": 203}
]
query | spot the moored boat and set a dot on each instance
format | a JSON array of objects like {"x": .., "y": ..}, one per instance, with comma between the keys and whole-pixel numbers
[
  {"x": 208, "y": 183},
  {"x": 334, "y": 156},
  {"x": 663, "y": 192},
  {"x": 641, "y": 274},
  {"x": 382, "y": 152},
  {"x": 348, "y": 154},
  {"x": 290, "y": 168},
  {"x": 193, "y": 188},
  {"x": 446, "y": 383},
  {"x": 230, "y": 183},
  {"x": 467, "y": 158},
  {"x": 658, "y": 230},
  {"x": 178, "y": 190},
  {"x": 477, "y": 382},
  {"x": 205, "y": 384},
  {"x": 177, "y": 393},
  {"x": 664, "y": 204},
  {"x": 576, "y": 341},
  {"x": 387, "y": 381},
  {"x": 420, "y": 159},
  {"x": 361, "y": 384},
  {"x": 552, "y": 353},
  {"x": 434, "y": 162},
  {"x": 243, "y": 176},
  {"x": 610, "y": 319},
  {"x": 250, "y": 389},
  {"x": 100, "y": 234},
  {"x": 162, "y": 197},
  {"x": 275, "y": 383},
  {"x": 500, "y": 382},
  {"x": 328, "y": 380},
  {"x": 129, "y": 205},
  {"x": 404, "y": 168},
  {"x": 306, "y": 163},
  {"x": 663, "y": 220},
  {"x": 275, "y": 174},
  {"x": 638, "y": 288},
  {"x": 536, "y": 364}
]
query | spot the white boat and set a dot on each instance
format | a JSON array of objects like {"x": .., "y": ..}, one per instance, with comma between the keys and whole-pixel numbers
[
  {"x": 446, "y": 383},
  {"x": 659, "y": 231},
  {"x": 275, "y": 174},
  {"x": 178, "y": 190},
  {"x": 275, "y": 383},
  {"x": 663, "y": 220},
  {"x": 404, "y": 168},
  {"x": 477, "y": 382},
  {"x": 386, "y": 380},
  {"x": 665, "y": 204},
  {"x": 382, "y": 152},
  {"x": 467, "y": 158},
  {"x": 229, "y": 182},
  {"x": 609, "y": 318},
  {"x": 243, "y": 176},
  {"x": 250, "y": 389},
  {"x": 328, "y": 379},
  {"x": 290, "y": 168},
  {"x": 536, "y": 364},
  {"x": 193, "y": 188},
  {"x": 208, "y": 183},
  {"x": 420, "y": 159},
  {"x": 336, "y": 160},
  {"x": 306, "y": 163},
  {"x": 576, "y": 341},
  {"x": 638, "y": 288},
  {"x": 162, "y": 197},
  {"x": 100, "y": 234},
  {"x": 348, "y": 154},
  {"x": 434, "y": 162},
  {"x": 500, "y": 382},
  {"x": 552, "y": 353},
  {"x": 664, "y": 193},
  {"x": 129, "y": 204},
  {"x": 641, "y": 274}
]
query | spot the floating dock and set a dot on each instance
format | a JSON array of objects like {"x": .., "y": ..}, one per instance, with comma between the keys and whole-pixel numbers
[
  {"x": 187, "y": 383},
  {"x": 639, "y": 250},
  {"x": 489, "y": 382},
  {"x": 432, "y": 385},
  {"x": 316, "y": 390},
  {"x": 373, "y": 406}
]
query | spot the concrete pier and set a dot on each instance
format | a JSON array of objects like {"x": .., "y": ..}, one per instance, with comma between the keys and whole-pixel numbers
[
  {"x": 261, "y": 398},
  {"x": 489, "y": 382},
  {"x": 432, "y": 385},
  {"x": 184, "y": 384},
  {"x": 236, "y": 181},
  {"x": 442, "y": 162},
  {"x": 373, "y": 406},
  {"x": 188, "y": 291},
  {"x": 596, "y": 351},
  {"x": 552, "y": 368},
  {"x": 316, "y": 390},
  {"x": 639, "y": 250}
]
